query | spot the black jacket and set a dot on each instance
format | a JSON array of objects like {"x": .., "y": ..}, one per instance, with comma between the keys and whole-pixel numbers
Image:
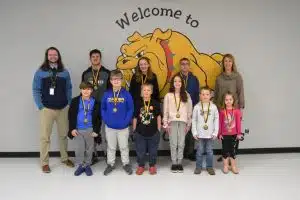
[
  {"x": 135, "y": 88},
  {"x": 72, "y": 116}
]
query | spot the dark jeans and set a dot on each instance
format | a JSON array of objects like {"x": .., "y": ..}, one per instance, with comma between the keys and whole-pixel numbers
[
  {"x": 189, "y": 144},
  {"x": 142, "y": 144},
  {"x": 229, "y": 146},
  {"x": 205, "y": 145}
]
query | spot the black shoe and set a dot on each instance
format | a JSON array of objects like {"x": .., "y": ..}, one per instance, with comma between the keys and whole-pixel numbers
[
  {"x": 127, "y": 168},
  {"x": 179, "y": 168},
  {"x": 220, "y": 159},
  {"x": 108, "y": 170},
  {"x": 174, "y": 168},
  {"x": 192, "y": 157},
  {"x": 94, "y": 159}
]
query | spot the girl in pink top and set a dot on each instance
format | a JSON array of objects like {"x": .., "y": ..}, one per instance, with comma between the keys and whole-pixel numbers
[{"x": 229, "y": 131}]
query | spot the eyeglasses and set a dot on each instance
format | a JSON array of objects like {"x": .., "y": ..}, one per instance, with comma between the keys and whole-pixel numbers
[
  {"x": 116, "y": 79},
  {"x": 185, "y": 63}
]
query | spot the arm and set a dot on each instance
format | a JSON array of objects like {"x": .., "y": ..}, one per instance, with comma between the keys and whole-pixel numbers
[
  {"x": 130, "y": 108},
  {"x": 166, "y": 111},
  {"x": 195, "y": 121},
  {"x": 240, "y": 92},
  {"x": 238, "y": 116},
  {"x": 97, "y": 118},
  {"x": 159, "y": 123},
  {"x": 189, "y": 111},
  {"x": 216, "y": 122},
  {"x": 221, "y": 120},
  {"x": 72, "y": 116},
  {"x": 216, "y": 93},
  {"x": 155, "y": 89},
  {"x": 132, "y": 88},
  {"x": 103, "y": 108},
  {"x": 37, "y": 91},
  {"x": 197, "y": 91},
  {"x": 69, "y": 87}
]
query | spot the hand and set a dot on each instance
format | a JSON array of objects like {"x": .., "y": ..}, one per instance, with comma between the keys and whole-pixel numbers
[
  {"x": 74, "y": 133},
  {"x": 239, "y": 137},
  {"x": 213, "y": 137},
  {"x": 93, "y": 134},
  {"x": 186, "y": 130},
  {"x": 220, "y": 137},
  {"x": 195, "y": 137},
  {"x": 168, "y": 130}
]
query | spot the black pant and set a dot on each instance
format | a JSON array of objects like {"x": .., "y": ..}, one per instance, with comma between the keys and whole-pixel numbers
[
  {"x": 229, "y": 146},
  {"x": 189, "y": 144},
  {"x": 142, "y": 144}
]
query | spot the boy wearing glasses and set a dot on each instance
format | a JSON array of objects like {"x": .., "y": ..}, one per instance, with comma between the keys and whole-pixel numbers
[{"x": 117, "y": 111}]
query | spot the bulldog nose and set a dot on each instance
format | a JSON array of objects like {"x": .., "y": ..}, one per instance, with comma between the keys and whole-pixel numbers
[{"x": 125, "y": 61}]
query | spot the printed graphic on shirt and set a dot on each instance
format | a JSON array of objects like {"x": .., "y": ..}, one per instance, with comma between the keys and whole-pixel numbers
[
  {"x": 229, "y": 121},
  {"x": 118, "y": 100},
  {"x": 202, "y": 112},
  {"x": 145, "y": 116}
]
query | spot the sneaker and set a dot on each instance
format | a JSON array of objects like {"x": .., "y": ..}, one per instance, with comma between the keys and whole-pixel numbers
[
  {"x": 68, "y": 163},
  {"x": 211, "y": 171},
  {"x": 127, "y": 168},
  {"x": 46, "y": 169},
  {"x": 140, "y": 170},
  {"x": 197, "y": 171},
  {"x": 108, "y": 170},
  {"x": 174, "y": 168},
  {"x": 179, "y": 168},
  {"x": 79, "y": 170},
  {"x": 152, "y": 170},
  {"x": 88, "y": 171}
]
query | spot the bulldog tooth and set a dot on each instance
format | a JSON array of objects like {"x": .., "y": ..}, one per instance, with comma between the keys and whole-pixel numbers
[{"x": 133, "y": 71}]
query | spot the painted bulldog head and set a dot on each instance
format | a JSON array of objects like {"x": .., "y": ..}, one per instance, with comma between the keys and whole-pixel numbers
[{"x": 148, "y": 46}]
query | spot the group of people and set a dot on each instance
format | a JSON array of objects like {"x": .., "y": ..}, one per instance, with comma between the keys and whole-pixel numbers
[{"x": 105, "y": 106}]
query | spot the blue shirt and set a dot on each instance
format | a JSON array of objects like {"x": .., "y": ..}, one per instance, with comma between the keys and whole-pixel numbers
[{"x": 89, "y": 106}]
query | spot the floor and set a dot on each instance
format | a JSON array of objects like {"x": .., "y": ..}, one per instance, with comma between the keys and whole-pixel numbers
[{"x": 269, "y": 176}]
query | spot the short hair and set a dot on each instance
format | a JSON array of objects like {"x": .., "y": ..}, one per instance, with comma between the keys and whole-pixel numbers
[
  {"x": 184, "y": 59},
  {"x": 205, "y": 88},
  {"x": 95, "y": 51},
  {"x": 116, "y": 73}
]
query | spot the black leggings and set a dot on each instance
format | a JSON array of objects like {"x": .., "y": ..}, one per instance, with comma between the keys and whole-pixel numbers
[{"x": 229, "y": 146}]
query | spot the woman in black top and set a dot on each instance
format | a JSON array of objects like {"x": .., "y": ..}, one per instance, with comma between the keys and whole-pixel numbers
[{"x": 143, "y": 74}]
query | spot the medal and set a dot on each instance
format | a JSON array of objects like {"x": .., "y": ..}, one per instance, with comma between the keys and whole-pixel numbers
[
  {"x": 185, "y": 80},
  {"x": 144, "y": 80},
  {"x": 95, "y": 79},
  {"x": 205, "y": 126},
  {"x": 86, "y": 110},
  {"x": 147, "y": 106},
  {"x": 95, "y": 87},
  {"x": 85, "y": 120},
  {"x": 115, "y": 100},
  {"x": 177, "y": 106}
]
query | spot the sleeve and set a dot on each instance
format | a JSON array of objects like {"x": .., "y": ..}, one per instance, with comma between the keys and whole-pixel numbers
[
  {"x": 97, "y": 118},
  {"x": 238, "y": 117},
  {"x": 108, "y": 83},
  {"x": 221, "y": 121},
  {"x": 136, "y": 110},
  {"x": 155, "y": 89},
  {"x": 130, "y": 108},
  {"x": 103, "y": 108},
  {"x": 195, "y": 120},
  {"x": 69, "y": 87},
  {"x": 72, "y": 116},
  {"x": 37, "y": 90},
  {"x": 166, "y": 111},
  {"x": 189, "y": 110},
  {"x": 82, "y": 77},
  {"x": 216, "y": 94},
  {"x": 156, "y": 108},
  {"x": 240, "y": 91},
  {"x": 216, "y": 121},
  {"x": 133, "y": 88},
  {"x": 197, "y": 91}
]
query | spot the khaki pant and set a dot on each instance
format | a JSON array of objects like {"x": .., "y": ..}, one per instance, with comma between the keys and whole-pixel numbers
[{"x": 47, "y": 117}]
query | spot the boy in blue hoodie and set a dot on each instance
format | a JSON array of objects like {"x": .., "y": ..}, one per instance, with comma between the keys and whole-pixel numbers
[{"x": 117, "y": 112}]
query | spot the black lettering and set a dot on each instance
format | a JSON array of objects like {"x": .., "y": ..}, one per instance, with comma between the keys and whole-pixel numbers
[
  {"x": 123, "y": 21},
  {"x": 142, "y": 17},
  {"x": 135, "y": 17},
  {"x": 155, "y": 9},
  {"x": 195, "y": 22},
  {"x": 188, "y": 18},
  {"x": 147, "y": 9},
  {"x": 178, "y": 12},
  {"x": 167, "y": 11}
]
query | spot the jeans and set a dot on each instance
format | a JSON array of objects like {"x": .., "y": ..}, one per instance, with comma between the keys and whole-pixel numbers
[
  {"x": 146, "y": 143},
  {"x": 205, "y": 145}
]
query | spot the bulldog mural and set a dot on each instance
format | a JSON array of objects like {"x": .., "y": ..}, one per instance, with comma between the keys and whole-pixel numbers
[{"x": 165, "y": 49}]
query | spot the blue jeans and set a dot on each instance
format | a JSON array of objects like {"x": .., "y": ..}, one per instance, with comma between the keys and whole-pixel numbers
[
  {"x": 146, "y": 143},
  {"x": 205, "y": 145}
]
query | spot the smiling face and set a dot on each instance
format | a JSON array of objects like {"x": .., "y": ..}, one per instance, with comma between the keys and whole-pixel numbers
[{"x": 144, "y": 65}]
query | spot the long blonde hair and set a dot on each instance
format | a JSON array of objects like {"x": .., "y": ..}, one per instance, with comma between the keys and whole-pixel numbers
[{"x": 231, "y": 57}]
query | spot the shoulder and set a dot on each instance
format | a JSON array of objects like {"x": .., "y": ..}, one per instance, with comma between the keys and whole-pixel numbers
[
  {"x": 237, "y": 111},
  {"x": 155, "y": 103},
  {"x": 197, "y": 106},
  {"x": 87, "y": 70},
  {"x": 75, "y": 99},
  {"x": 188, "y": 95},
  {"x": 168, "y": 95},
  {"x": 239, "y": 76},
  {"x": 213, "y": 106},
  {"x": 65, "y": 73},
  {"x": 104, "y": 69}
]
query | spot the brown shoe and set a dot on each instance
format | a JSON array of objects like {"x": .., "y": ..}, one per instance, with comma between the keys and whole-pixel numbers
[
  {"x": 234, "y": 168},
  {"x": 46, "y": 169},
  {"x": 69, "y": 163},
  {"x": 211, "y": 171}
]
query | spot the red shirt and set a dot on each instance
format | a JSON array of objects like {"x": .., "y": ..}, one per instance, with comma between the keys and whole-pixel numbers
[{"x": 230, "y": 122}]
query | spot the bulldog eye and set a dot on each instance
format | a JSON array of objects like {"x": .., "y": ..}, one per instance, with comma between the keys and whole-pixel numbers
[{"x": 140, "y": 54}]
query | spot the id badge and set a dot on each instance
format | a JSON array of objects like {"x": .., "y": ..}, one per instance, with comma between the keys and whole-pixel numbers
[{"x": 51, "y": 91}]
